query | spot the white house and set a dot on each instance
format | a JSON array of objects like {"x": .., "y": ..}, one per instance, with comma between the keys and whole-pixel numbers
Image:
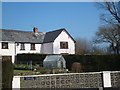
[{"x": 13, "y": 42}]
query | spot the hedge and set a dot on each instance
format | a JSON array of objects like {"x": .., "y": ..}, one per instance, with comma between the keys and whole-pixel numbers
[
  {"x": 94, "y": 63},
  {"x": 90, "y": 63},
  {"x": 27, "y": 58},
  {"x": 7, "y": 72}
]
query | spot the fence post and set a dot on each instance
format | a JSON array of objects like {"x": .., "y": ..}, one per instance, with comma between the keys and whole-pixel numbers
[
  {"x": 106, "y": 79},
  {"x": 16, "y": 83}
]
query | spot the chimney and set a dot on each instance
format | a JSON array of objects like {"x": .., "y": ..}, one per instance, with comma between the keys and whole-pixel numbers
[{"x": 35, "y": 30}]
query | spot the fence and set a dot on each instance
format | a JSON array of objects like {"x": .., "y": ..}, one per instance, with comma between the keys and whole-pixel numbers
[{"x": 69, "y": 80}]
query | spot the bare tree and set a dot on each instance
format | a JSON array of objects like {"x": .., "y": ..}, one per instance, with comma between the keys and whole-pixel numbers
[
  {"x": 83, "y": 46},
  {"x": 97, "y": 50},
  {"x": 109, "y": 34},
  {"x": 112, "y": 11}
]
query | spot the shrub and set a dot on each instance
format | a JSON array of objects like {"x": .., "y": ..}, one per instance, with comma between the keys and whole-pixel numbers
[
  {"x": 25, "y": 67},
  {"x": 7, "y": 72},
  {"x": 76, "y": 67},
  {"x": 42, "y": 70}
]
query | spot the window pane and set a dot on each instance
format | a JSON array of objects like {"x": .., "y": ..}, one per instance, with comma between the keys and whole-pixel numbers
[
  {"x": 4, "y": 45},
  {"x": 32, "y": 46},
  {"x": 22, "y": 46},
  {"x": 63, "y": 45}
]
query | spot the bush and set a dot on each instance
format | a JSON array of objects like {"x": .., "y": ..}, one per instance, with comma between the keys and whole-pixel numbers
[
  {"x": 25, "y": 67},
  {"x": 76, "y": 67},
  {"x": 42, "y": 70},
  {"x": 7, "y": 72}
]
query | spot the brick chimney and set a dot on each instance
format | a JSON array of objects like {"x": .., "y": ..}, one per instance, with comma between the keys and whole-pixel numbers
[{"x": 35, "y": 30}]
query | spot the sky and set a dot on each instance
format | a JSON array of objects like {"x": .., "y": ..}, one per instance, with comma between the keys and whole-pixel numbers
[{"x": 80, "y": 19}]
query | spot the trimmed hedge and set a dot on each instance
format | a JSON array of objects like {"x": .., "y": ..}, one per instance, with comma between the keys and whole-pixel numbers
[
  {"x": 90, "y": 63},
  {"x": 7, "y": 72},
  {"x": 27, "y": 58},
  {"x": 94, "y": 63}
]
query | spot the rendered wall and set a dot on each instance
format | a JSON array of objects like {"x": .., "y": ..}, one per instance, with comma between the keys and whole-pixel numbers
[
  {"x": 63, "y": 37},
  {"x": 28, "y": 48},
  {"x": 47, "y": 48},
  {"x": 8, "y": 52}
]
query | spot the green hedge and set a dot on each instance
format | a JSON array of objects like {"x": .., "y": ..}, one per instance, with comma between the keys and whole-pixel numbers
[
  {"x": 92, "y": 63},
  {"x": 7, "y": 72},
  {"x": 27, "y": 58},
  {"x": 89, "y": 62}
]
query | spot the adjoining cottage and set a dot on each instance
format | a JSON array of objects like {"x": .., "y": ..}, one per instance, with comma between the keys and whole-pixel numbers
[
  {"x": 54, "y": 61},
  {"x": 13, "y": 42}
]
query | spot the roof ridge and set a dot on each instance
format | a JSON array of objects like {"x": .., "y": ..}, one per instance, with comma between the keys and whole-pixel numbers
[
  {"x": 56, "y": 30},
  {"x": 19, "y": 31}
]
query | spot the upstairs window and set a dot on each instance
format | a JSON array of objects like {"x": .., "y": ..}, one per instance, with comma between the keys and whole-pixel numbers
[
  {"x": 4, "y": 45},
  {"x": 32, "y": 46},
  {"x": 22, "y": 46},
  {"x": 63, "y": 45}
]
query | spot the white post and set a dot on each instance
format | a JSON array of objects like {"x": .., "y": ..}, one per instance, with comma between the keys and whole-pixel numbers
[
  {"x": 13, "y": 58},
  {"x": 16, "y": 83},
  {"x": 0, "y": 72},
  {"x": 106, "y": 79}
]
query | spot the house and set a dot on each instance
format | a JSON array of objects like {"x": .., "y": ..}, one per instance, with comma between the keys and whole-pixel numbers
[
  {"x": 13, "y": 42},
  {"x": 54, "y": 61}
]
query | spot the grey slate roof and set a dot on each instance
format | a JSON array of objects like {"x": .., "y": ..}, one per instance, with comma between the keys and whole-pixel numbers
[
  {"x": 30, "y": 37},
  {"x": 21, "y": 36},
  {"x": 52, "y": 35}
]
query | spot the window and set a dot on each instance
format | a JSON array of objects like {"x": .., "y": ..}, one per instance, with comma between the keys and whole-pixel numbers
[
  {"x": 4, "y": 45},
  {"x": 22, "y": 47},
  {"x": 32, "y": 46},
  {"x": 63, "y": 45}
]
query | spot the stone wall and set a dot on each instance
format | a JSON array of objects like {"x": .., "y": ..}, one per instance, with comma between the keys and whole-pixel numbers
[
  {"x": 104, "y": 79},
  {"x": 83, "y": 80},
  {"x": 115, "y": 79}
]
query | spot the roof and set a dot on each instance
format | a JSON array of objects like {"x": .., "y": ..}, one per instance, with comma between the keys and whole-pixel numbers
[
  {"x": 30, "y": 37},
  {"x": 21, "y": 36},
  {"x": 52, "y": 35}
]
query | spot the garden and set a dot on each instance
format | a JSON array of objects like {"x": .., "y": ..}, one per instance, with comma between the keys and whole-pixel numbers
[{"x": 26, "y": 69}]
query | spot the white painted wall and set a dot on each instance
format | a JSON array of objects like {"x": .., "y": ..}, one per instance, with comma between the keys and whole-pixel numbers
[
  {"x": 8, "y": 52},
  {"x": 63, "y": 37},
  {"x": 14, "y": 49},
  {"x": 28, "y": 48},
  {"x": 47, "y": 48},
  {"x": 16, "y": 83},
  {"x": 107, "y": 79}
]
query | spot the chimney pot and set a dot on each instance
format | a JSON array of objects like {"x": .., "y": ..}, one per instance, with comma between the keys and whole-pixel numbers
[{"x": 35, "y": 30}]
